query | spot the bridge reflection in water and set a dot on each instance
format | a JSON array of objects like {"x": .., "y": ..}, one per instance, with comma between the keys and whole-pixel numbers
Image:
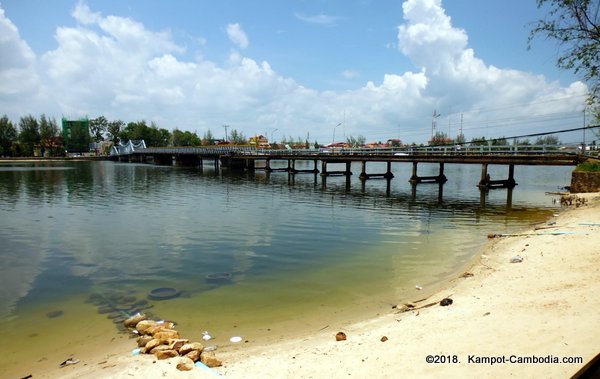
[{"x": 250, "y": 159}]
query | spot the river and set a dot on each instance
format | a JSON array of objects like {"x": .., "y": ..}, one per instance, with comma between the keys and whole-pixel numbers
[{"x": 250, "y": 254}]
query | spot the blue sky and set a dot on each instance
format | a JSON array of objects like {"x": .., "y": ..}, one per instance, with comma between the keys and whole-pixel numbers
[{"x": 288, "y": 68}]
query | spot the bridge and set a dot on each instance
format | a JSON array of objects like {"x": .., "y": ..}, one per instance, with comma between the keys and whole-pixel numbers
[{"x": 250, "y": 158}]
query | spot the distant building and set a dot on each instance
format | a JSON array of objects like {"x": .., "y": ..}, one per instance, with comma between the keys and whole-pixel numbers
[
  {"x": 76, "y": 135},
  {"x": 260, "y": 141}
]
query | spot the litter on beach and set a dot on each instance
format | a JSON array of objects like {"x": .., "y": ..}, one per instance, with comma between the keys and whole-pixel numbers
[
  {"x": 516, "y": 259},
  {"x": 236, "y": 339},
  {"x": 68, "y": 362}
]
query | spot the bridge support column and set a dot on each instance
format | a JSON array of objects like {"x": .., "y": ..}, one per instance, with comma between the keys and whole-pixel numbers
[
  {"x": 487, "y": 182},
  {"x": 347, "y": 172},
  {"x": 163, "y": 159},
  {"x": 187, "y": 160},
  {"x": 250, "y": 164},
  {"x": 138, "y": 158},
  {"x": 268, "y": 165},
  {"x": 387, "y": 175},
  {"x": 440, "y": 178}
]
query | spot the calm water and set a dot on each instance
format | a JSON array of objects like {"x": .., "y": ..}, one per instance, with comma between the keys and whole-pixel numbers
[{"x": 294, "y": 253}]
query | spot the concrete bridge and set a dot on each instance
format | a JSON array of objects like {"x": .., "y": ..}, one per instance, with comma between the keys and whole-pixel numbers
[{"x": 249, "y": 158}]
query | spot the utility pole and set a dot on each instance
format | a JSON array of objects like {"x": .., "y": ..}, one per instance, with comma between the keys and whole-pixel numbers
[
  {"x": 225, "y": 126},
  {"x": 433, "y": 122}
]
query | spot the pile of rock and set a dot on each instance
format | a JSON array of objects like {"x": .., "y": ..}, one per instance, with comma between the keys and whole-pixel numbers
[{"x": 162, "y": 339}]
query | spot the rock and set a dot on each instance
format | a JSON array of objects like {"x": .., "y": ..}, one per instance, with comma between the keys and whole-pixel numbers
[
  {"x": 144, "y": 325},
  {"x": 54, "y": 314},
  {"x": 194, "y": 355},
  {"x": 383, "y": 339},
  {"x": 209, "y": 359},
  {"x": 158, "y": 348},
  {"x": 165, "y": 354},
  {"x": 340, "y": 336},
  {"x": 445, "y": 302},
  {"x": 143, "y": 340},
  {"x": 152, "y": 344},
  {"x": 132, "y": 321},
  {"x": 166, "y": 334},
  {"x": 158, "y": 326},
  {"x": 190, "y": 347},
  {"x": 185, "y": 364},
  {"x": 177, "y": 343},
  {"x": 105, "y": 309}
]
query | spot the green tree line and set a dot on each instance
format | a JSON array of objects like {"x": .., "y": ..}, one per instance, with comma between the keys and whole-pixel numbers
[{"x": 44, "y": 137}]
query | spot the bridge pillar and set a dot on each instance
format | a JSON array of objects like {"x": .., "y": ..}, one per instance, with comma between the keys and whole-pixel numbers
[
  {"x": 233, "y": 163},
  {"x": 250, "y": 164},
  {"x": 347, "y": 172},
  {"x": 187, "y": 160},
  {"x": 268, "y": 165},
  {"x": 440, "y": 178},
  {"x": 487, "y": 182},
  {"x": 387, "y": 175},
  {"x": 163, "y": 159},
  {"x": 293, "y": 170}
]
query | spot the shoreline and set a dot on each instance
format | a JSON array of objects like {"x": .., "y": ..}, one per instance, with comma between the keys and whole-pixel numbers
[{"x": 544, "y": 306}]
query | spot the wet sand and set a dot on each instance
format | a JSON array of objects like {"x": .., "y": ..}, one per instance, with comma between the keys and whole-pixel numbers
[{"x": 544, "y": 307}]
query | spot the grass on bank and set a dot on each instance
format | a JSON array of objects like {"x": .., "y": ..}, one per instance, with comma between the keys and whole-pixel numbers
[{"x": 589, "y": 166}]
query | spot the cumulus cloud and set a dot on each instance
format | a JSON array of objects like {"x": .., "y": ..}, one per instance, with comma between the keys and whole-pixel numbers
[
  {"x": 237, "y": 35},
  {"x": 116, "y": 67},
  {"x": 18, "y": 74}
]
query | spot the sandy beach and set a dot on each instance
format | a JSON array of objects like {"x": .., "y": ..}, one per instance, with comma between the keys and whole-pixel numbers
[{"x": 503, "y": 316}]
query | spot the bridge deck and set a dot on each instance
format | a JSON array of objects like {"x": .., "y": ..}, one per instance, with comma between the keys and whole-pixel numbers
[{"x": 446, "y": 155}]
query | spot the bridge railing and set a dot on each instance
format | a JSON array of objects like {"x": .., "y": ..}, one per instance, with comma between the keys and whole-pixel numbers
[
  {"x": 140, "y": 147},
  {"x": 432, "y": 150},
  {"x": 129, "y": 148}
]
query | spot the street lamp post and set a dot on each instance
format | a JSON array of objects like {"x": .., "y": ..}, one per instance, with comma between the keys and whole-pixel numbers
[
  {"x": 333, "y": 140},
  {"x": 273, "y": 132}
]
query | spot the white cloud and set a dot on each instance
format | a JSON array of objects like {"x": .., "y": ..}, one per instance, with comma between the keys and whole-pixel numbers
[
  {"x": 350, "y": 74},
  {"x": 320, "y": 19},
  {"x": 237, "y": 35},
  {"x": 116, "y": 67},
  {"x": 20, "y": 82}
]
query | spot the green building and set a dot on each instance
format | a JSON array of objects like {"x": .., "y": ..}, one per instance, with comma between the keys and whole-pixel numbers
[{"x": 76, "y": 135}]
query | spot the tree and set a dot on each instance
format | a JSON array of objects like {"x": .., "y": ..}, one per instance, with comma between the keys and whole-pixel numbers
[
  {"x": 575, "y": 24},
  {"x": 152, "y": 135},
  {"x": 29, "y": 134},
  {"x": 440, "y": 138},
  {"x": 113, "y": 129},
  {"x": 98, "y": 127},
  {"x": 50, "y": 140},
  {"x": 460, "y": 139},
  {"x": 547, "y": 140},
  {"x": 499, "y": 142},
  {"x": 185, "y": 138},
  {"x": 8, "y": 136},
  {"x": 356, "y": 142},
  {"x": 237, "y": 138},
  {"x": 479, "y": 141},
  {"x": 208, "y": 138}
]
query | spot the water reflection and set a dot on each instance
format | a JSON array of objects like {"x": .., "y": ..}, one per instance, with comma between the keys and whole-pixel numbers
[{"x": 85, "y": 227}]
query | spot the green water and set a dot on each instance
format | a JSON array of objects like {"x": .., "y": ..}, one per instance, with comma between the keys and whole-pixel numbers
[{"x": 301, "y": 253}]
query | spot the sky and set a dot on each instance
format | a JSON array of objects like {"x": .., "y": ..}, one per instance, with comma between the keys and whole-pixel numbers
[{"x": 322, "y": 70}]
